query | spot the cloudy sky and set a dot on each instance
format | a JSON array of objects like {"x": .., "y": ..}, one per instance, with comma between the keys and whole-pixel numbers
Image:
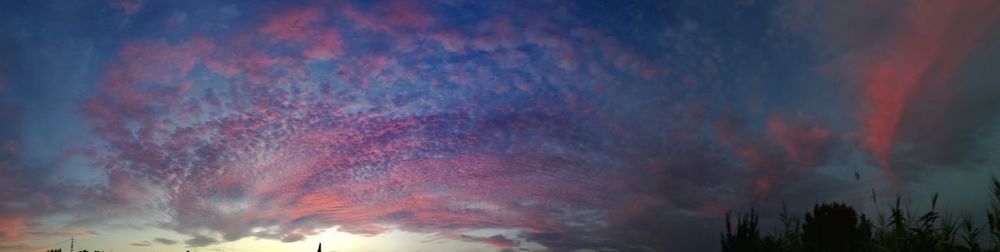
[{"x": 210, "y": 125}]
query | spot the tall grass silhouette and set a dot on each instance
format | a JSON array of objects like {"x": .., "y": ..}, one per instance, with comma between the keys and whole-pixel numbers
[{"x": 836, "y": 227}]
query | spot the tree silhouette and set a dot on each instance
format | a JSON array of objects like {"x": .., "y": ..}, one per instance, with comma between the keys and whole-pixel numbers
[
  {"x": 747, "y": 236},
  {"x": 835, "y": 227}
]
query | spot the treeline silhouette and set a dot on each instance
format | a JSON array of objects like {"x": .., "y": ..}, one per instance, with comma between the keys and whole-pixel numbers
[
  {"x": 835, "y": 227},
  {"x": 60, "y": 250}
]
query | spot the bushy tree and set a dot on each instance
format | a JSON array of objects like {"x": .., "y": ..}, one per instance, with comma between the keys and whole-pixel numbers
[{"x": 835, "y": 227}]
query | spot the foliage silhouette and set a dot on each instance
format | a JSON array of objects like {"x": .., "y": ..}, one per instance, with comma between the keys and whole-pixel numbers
[
  {"x": 747, "y": 237},
  {"x": 836, "y": 227}
]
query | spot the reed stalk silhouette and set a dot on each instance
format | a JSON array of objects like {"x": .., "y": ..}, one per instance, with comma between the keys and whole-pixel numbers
[{"x": 837, "y": 227}]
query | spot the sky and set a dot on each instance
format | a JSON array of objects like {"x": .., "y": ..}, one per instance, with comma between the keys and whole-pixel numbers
[{"x": 457, "y": 125}]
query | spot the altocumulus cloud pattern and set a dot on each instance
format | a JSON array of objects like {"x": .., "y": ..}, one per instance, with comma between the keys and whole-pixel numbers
[{"x": 632, "y": 125}]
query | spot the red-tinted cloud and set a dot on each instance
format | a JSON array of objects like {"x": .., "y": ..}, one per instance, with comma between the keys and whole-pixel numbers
[
  {"x": 372, "y": 118},
  {"x": 294, "y": 25},
  {"x": 328, "y": 45},
  {"x": 921, "y": 52},
  {"x": 756, "y": 155},
  {"x": 806, "y": 145},
  {"x": 13, "y": 227},
  {"x": 785, "y": 149},
  {"x": 391, "y": 15}
]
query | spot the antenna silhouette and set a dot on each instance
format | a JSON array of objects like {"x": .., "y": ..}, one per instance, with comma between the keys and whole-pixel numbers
[{"x": 71, "y": 244}]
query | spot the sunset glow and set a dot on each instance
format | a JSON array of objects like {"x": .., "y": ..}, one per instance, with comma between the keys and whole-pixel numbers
[{"x": 395, "y": 125}]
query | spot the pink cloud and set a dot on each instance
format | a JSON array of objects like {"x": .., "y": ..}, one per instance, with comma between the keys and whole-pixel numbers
[
  {"x": 785, "y": 150},
  {"x": 292, "y": 25},
  {"x": 255, "y": 66},
  {"x": 496, "y": 34},
  {"x": 451, "y": 41},
  {"x": 17, "y": 220},
  {"x": 337, "y": 155},
  {"x": 620, "y": 56},
  {"x": 150, "y": 71},
  {"x": 805, "y": 145},
  {"x": 923, "y": 51},
  {"x": 389, "y": 16},
  {"x": 327, "y": 46},
  {"x": 13, "y": 227}
]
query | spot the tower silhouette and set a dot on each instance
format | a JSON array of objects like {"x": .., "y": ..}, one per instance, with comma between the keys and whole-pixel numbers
[{"x": 320, "y": 248}]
